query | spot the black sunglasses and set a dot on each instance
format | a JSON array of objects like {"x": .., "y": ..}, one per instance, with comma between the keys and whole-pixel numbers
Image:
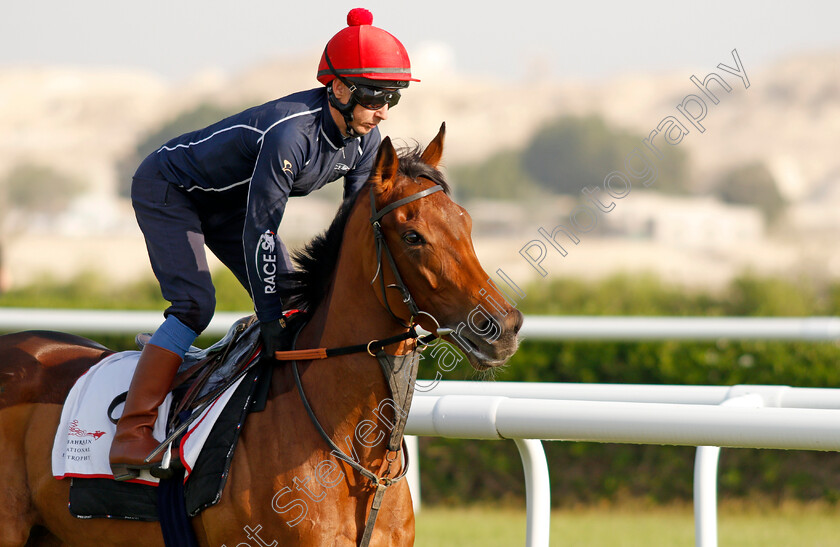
[{"x": 373, "y": 98}]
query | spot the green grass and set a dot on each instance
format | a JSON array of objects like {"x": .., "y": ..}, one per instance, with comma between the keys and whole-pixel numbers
[{"x": 628, "y": 526}]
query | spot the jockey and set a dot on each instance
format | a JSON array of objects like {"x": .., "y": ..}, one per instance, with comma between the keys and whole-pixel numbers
[{"x": 227, "y": 185}]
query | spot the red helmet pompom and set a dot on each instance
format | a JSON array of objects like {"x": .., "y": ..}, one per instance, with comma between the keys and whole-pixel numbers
[
  {"x": 363, "y": 51},
  {"x": 359, "y": 16}
]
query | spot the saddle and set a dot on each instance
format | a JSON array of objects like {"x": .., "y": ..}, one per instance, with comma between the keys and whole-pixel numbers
[
  {"x": 204, "y": 375},
  {"x": 205, "y": 370}
]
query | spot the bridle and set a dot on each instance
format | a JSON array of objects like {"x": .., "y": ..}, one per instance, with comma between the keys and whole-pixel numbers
[{"x": 381, "y": 245}]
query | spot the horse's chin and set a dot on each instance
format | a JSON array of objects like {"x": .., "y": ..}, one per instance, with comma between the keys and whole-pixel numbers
[{"x": 484, "y": 356}]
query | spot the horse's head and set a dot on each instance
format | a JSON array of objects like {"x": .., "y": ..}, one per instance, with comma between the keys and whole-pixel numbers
[{"x": 429, "y": 238}]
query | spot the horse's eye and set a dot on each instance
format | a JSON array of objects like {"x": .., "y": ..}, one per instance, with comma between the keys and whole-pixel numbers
[{"x": 413, "y": 238}]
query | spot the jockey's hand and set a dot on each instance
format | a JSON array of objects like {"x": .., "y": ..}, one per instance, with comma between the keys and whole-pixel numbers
[{"x": 274, "y": 334}]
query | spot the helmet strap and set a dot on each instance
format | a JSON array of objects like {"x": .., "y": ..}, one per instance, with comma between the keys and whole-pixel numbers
[{"x": 346, "y": 110}]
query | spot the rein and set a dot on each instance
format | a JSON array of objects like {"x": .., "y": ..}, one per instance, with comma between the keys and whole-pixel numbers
[
  {"x": 399, "y": 379},
  {"x": 371, "y": 347}
]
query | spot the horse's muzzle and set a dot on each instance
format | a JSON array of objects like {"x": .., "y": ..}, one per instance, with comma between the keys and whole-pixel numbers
[{"x": 491, "y": 342}]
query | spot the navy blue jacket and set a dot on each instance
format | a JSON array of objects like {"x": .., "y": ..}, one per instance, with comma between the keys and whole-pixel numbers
[{"x": 287, "y": 147}]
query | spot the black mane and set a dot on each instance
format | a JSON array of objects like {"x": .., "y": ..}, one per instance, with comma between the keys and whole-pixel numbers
[{"x": 316, "y": 261}]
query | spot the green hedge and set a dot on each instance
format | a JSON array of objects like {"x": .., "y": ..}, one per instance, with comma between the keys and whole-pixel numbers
[
  {"x": 457, "y": 471},
  {"x": 460, "y": 471}
]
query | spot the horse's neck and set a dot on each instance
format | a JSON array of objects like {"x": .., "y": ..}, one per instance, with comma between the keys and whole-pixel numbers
[
  {"x": 351, "y": 311},
  {"x": 343, "y": 391}
]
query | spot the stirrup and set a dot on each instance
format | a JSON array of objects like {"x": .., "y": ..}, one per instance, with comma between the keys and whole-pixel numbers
[
  {"x": 167, "y": 473},
  {"x": 164, "y": 469},
  {"x": 168, "y": 467},
  {"x": 125, "y": 472}
]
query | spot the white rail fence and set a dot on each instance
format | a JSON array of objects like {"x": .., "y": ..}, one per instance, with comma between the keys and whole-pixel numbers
[
  {"x": 708, "y": 417},
  {"x": 533, "y": 328}
]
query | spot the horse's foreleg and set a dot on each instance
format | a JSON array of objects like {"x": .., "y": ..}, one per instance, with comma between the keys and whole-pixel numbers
[{"x": 17, "y": 514}]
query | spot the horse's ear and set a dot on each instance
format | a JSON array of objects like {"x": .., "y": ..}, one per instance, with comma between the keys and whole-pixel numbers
[
  {"x": 385, "y": 166},
  {"x": 433, "y": 152}
]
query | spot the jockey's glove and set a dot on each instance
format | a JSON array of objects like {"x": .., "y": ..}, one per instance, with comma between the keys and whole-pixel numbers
[{"x": 274, "y": 336}]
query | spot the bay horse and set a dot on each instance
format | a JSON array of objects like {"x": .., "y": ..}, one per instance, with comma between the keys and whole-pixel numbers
[{"x": 276, "y": 492}]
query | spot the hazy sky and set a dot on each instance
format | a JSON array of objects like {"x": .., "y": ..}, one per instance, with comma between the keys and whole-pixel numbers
[{"x": 507, "y": 39}]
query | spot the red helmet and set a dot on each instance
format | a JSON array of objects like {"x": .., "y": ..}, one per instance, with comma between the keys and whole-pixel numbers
[{"x": 365, "y": 54}]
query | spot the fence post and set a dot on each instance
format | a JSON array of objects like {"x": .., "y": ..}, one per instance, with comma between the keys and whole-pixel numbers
[
  {"x": 705, "y": 481},
  {"x": 537, "y": 492},
  {"x": 413, "y": 474}
]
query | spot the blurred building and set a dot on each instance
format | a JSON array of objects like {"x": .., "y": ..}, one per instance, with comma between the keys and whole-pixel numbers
[
  {"x": 81, "y": 122},
  {"x": 818, "y": 215},
  {"x": 685, "y": 222}
]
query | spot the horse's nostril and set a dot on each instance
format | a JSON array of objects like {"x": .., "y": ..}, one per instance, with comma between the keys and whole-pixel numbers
[{"x": 517, "y": 318}]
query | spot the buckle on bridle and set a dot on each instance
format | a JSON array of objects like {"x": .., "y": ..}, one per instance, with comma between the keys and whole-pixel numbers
[{"x": 405, "y": 294}]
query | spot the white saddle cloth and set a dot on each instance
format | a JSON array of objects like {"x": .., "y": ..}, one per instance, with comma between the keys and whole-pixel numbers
[{"x": 84, "y": 434}]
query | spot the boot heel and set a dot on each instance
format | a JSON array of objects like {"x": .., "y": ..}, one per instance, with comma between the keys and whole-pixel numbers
[{"x": 124, "y": 473}]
